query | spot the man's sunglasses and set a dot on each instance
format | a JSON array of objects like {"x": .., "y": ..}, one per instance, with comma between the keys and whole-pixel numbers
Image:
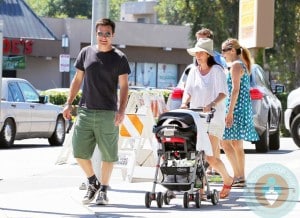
[
  {"x": 106, "y": 35},
  {"x": 226, "y": 49}
]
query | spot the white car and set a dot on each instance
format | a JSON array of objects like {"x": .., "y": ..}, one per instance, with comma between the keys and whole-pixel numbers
[
  {"x": 26, "y": 114},
  {"x": 292, "y": 115}
]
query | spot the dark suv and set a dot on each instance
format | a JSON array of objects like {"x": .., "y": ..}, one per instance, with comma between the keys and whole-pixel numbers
[{"x": 267, "y": 110}]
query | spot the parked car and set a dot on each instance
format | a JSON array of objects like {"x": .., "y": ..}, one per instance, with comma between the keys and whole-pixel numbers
[
  {"x": 292, "y": 115},
  {"x": 267, "y": 109},
  {"x": 26, "y": 114}
]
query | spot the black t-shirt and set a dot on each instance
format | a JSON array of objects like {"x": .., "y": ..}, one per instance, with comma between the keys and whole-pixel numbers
[{"x": 102, "y": 70}]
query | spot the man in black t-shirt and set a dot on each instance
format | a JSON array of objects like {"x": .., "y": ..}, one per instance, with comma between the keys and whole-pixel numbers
[{"x": 101, "y": 68}]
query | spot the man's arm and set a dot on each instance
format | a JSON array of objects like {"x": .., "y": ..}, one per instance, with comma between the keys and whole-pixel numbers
[
  {"x": 74, "y": 89},
  {"x": 123, "y": 97}
]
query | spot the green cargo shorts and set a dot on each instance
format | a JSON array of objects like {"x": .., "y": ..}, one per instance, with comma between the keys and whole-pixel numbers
[{"x": 95, "y": 127}]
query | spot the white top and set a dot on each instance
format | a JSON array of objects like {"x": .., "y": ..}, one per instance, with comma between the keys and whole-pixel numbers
[{"x": 204, "y": 90}]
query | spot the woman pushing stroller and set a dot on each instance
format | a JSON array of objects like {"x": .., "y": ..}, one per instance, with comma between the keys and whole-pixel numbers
[{"x": 206, "y": 87}]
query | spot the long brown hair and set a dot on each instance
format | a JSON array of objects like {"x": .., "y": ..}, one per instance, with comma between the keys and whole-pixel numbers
[{"x": 243, "y": 51}]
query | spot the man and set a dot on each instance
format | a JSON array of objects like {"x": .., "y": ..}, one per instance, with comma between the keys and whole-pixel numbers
[
  {"x": 101, "y": 68},
  {"x": 207, "y": 33}
]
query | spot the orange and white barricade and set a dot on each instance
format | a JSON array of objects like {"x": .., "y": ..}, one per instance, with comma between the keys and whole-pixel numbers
[{"x": 137, "y": 147}]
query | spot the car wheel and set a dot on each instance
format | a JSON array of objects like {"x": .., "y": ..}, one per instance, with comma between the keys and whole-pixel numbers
[
  {"x": 262, "y": 145},
  {"x": 295, "y": 130},
  {"x": 58, "y": 137},
  {"x": 274, "y": 143},
  {"x": 8, "y": 133}
]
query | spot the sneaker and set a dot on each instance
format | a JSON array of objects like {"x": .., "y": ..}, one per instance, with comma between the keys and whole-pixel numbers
[
  {"x": 82, "y": 186},
  {"x": 90, "y": 194},
  {"x": 102, "y": 198}
]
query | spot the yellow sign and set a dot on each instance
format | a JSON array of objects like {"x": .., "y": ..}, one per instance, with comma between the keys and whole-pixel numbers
[
  {"x": 247, "y": 16},
  {"x": 256, "y": 26}
]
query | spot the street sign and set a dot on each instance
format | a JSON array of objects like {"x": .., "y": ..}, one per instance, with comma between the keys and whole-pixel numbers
[{"x": 64, "y": 63}]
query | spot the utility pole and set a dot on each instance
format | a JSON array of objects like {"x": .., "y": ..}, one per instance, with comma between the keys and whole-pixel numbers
[{"x": 99, "y": 10}]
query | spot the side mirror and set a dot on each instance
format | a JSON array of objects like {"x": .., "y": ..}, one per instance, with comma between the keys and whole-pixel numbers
[{"x": 43, "y": 99}]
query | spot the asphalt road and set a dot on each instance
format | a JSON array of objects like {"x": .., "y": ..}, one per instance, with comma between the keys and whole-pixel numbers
[{"x": 32, "y": 185}]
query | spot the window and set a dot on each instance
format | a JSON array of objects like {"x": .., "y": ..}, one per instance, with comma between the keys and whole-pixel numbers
[
  {"x": 29, "y": 93},
  {"x": 146, "y": 74},
  {"x": 14, "y": 93},
  {"x": 167, "y": 75},
  {"x": 131, "y": 77}
]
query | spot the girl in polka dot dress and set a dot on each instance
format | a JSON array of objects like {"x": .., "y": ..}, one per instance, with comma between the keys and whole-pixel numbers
[{"x": 239, "y": 121}]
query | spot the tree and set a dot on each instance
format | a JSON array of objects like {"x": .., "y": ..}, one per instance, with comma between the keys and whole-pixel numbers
[
  {"x": 62, "y": 8},
  {"x": 284, "y": 57},
  {"x": 217, "y": 15}
]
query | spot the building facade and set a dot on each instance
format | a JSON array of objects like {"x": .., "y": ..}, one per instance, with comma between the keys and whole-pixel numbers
[{"x": 157, "y": 53}]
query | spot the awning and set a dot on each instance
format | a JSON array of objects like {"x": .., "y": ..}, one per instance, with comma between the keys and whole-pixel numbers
[{"x": 19, "y": 21}]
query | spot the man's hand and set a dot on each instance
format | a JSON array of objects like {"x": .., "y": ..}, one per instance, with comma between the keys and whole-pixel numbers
[
  {"x": 119, "y": 118},
  {"x": 67, "y": 112}
]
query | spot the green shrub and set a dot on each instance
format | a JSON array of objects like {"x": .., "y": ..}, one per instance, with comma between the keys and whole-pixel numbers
[{"x": 59, "y": 97}]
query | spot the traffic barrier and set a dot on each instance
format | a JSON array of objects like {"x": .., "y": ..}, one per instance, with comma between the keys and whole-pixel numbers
[{"x": 137, "y": 143}]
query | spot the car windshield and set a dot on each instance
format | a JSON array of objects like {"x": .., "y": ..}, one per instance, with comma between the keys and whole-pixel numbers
[{"x": 258, "y": 77}]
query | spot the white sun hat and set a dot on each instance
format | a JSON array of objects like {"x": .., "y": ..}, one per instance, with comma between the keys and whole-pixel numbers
[{"x": 203, "y": 44}]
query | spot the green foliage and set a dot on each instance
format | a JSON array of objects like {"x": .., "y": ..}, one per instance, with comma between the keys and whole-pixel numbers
[
  {"x": 60, "y": 97},
  {"x": 219, "y": 16},
  {"x": 115, "y": 8},
  {"x": 283, "y": 57},
  {"x": 259, "y": 57},
  {"x": 61, "y": 8}
]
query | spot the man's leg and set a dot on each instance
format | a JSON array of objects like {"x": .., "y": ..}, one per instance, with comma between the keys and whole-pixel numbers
[
  {"x": 106, "y": 170},
  {"x": 107, "y": 138},
  {"x": 94, "y": 184}
]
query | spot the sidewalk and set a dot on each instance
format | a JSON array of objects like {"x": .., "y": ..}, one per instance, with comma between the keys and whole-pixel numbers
[
  {"x": 125, "y": 200},
  {"x": 52, "y": 191},
  {"x": 60, "y": 196},
  {"x": 56, "y": 194}
]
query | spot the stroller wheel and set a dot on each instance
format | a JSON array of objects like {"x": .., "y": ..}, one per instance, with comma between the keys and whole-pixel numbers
[
  {"x": 166, "y": 198},
  {"x": 214, "y": 197},
  {"x": 198, "y": 200},
  {"x": 148, "y": 199},
  {"x": 159, "y": 199},
  {"x": 186, "y": 200}
]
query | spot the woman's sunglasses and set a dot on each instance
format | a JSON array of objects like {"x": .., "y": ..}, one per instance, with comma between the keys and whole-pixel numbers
[{"x": 226, "y": 49}]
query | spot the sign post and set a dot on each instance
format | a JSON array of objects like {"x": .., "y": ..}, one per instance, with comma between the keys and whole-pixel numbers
[
  {"x": 64, "y": 61},
  {"x": 256, "y": 24}
]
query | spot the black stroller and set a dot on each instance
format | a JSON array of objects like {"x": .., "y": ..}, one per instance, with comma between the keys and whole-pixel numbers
[{"x": 183, "y": 167}]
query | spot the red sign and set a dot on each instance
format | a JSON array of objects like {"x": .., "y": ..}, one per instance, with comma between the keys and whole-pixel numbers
[{"x": 17, "y": 46}]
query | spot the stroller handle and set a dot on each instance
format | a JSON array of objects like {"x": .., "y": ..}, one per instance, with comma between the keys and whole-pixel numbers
[{"x": 209, "y": 115}]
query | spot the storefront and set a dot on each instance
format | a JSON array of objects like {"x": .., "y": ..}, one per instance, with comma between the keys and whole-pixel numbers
[{"x": 157, "y": 53}]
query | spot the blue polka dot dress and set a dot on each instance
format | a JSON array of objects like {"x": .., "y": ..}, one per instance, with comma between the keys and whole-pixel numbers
[{"x": 243, "y": 126}]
